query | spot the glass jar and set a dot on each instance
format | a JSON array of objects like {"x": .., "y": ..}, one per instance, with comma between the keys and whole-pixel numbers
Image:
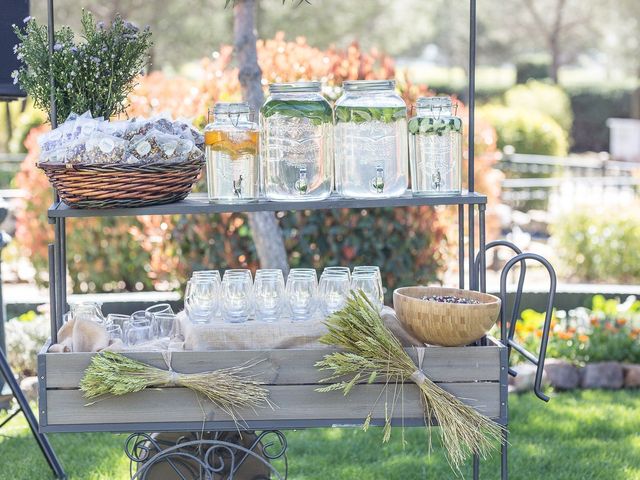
[
  {"x": 435, "y": 143},
  {"x": 296, "y": 125},
  {"x": 231, "y": 148},
  {"x": 371, "y": 156}
]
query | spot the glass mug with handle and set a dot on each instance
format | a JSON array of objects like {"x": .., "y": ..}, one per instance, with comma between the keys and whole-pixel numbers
[
  {"x": 138, "y": 329},
  {"x": 159, "y": 315}
]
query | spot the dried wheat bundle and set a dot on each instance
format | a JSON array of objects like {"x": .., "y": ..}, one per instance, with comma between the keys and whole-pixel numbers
[
  {"x": 230, "y": 389},
  {"x": 372, "y": 351}
]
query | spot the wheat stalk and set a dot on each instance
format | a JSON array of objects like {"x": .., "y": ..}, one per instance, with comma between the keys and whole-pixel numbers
[
  {"x": 370, "y": 351},
  {"x": 229, "y": 389}
]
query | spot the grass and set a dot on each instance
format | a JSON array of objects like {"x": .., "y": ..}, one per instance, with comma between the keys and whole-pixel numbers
[{"x": 586, "y": 435}]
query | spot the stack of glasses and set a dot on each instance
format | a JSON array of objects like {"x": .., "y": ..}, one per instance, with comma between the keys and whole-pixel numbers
[
  {"x": 154, "y": 323},
  {"x": 236, "y": 297}
]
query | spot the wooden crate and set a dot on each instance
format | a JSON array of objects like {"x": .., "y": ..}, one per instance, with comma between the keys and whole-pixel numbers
[{"x": 477, "y": 375}]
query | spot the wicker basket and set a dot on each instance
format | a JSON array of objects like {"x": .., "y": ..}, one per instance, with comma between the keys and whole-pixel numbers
[
  {"x": 122, "y": 185},
  {"x": 445, "y": 324}
]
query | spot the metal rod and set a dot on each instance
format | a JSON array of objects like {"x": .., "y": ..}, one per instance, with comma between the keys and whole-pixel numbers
[
  {"x": 52, "y": 82},
  {"x": 482, "y": 252},
  {"x": 52, "y": 294},
  {"x": 60, "y": 281},
  {"x": 537, "y": 387},
  {"x": 504, "y": 455},
  {"x": 472, "y": 92},
  {"x": 461, "y": 246},
  {"x": 63, "y": 266},
  {"x": 472, "y": 250},
  {"x": 476, "y": 466}
]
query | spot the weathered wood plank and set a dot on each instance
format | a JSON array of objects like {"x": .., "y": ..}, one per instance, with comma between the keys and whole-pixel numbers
[
  {"x": 67, "y": 407},
  {"x": 286, "y": 367}
]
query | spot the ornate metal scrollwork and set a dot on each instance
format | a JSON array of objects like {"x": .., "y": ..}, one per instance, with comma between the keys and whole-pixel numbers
[{"x": 207, "y": 455}]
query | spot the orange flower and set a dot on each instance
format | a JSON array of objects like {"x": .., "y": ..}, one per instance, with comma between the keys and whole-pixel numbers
[
  {"x": 610, "y": 327},
  {"x": 583, "y": 338},
  {"x": 571, "y": 330},
  {"x": 539, "y": 333},
  {"x": 621, "y": 321},
  {"x": 565, "y": 335},
  {"x": 594, "y": 321}
]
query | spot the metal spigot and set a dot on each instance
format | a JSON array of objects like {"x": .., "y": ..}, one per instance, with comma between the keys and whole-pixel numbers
[
  {"x": 301, "y": 184},
  {"x": 237, "y": 187},
  {"x": 378, "y": 182}
]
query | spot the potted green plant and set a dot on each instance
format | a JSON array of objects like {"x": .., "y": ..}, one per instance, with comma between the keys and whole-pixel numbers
[{"x": 94, "y": 75}]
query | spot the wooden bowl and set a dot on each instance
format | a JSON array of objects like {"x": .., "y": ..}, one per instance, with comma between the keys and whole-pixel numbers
[{"x": 445, "y": 324}]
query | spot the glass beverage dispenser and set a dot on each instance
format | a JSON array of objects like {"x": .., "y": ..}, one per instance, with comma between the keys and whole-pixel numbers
[
  {"x": 231, "y": 147},
  {"x": 296, "y": 142},
  {"x": 371, "y": 155},
  {"x": 435, "y": 143}
]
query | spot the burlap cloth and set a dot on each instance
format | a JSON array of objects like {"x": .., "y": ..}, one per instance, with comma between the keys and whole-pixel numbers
[
  {"x": 87, "y": 336},
  {"x": 256, "y": 335}
]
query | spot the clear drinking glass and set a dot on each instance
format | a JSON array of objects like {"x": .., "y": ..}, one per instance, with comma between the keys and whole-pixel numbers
[
  {"x": 164, "y": 323},
  {"x": 371, "y": 154},
  {"x": 137, "y": 334},
  {"x": 369, "y": 283},
  {"x": 296, "y": 140},
  {"x": 231, "y": 147},
  {"x": 302, "y": 291},
  {"x": 435, "y": 148},
  {"x": 340, "y": 269},
  {"x": 201, "y": 299},
  {"x": 138, "y": 329},
  {"x": 114, "y": 331},
  {"x": 117, "y": 319},
  {"x": 215, "y": 274},
  {"x": 237, "y": 291},
  {"x": 155, "y": 311},
  {"x": 269, "y": 290},
  {"x": 333, "y": 290}
]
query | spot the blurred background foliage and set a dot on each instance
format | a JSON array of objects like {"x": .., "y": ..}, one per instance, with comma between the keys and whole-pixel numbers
[
  {"x": 551, "y": 98},
  {"x": 161, "y": 251}
]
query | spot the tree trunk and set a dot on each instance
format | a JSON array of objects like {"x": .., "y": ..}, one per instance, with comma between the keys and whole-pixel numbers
[{"x": 267, "y": 235}]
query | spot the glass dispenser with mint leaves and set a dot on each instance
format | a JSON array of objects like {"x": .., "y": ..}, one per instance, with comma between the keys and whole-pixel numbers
[
  {"x": 371, "y": 155},
  {"x": 296, "y": 126},
  {"x": 435, "y": 148}
]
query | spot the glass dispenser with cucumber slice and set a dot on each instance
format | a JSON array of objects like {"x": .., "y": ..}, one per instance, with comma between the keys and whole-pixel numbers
[{"x": 435, "y": 148}]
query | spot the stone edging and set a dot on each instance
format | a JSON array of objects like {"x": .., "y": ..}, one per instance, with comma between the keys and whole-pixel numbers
[{"x": 562, "y": 375}]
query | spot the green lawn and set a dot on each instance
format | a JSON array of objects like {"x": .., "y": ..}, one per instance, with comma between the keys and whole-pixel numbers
[{"x": 577, "y": 436}]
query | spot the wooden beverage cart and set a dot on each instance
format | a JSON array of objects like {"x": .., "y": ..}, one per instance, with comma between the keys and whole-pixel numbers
[{"x": 476, "y": 374}]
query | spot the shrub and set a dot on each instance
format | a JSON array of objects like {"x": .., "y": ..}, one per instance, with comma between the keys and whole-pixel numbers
[
  {"x": 526, "y": 130},
  {"x": 591, "y": 107},
  {"x": 542, "y": 97},
  {"x": 599, "y": 245},
  {"x": 532, "y": 69},
  {"x": 25, "y": 336}
]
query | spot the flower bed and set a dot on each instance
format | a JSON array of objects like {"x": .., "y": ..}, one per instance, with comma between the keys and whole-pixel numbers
[{"x": 591, "y": 348}]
